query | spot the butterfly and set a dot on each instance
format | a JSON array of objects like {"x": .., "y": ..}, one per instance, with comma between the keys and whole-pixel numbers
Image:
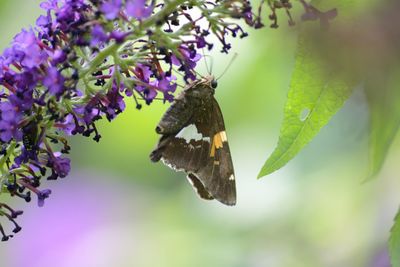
[{"x": 193, "y": 140}]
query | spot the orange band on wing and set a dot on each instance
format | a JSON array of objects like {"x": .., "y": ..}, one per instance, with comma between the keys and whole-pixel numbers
[
  {"x": 212, "y": 152},
  {"x": 217, "y": 142}
]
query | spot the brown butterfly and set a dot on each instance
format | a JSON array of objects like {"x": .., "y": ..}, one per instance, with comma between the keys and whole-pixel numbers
[{"x": 193, "y": 140}]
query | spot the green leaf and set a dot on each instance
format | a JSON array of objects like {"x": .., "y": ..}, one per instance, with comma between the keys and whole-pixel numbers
[
  {"x": 314, "y": 97},
  {"x": 383, "y": 98},
  {"x": 394, "y": 242}
]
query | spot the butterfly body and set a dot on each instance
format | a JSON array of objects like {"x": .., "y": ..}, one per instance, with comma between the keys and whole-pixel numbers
[{"x": 193, "y": 140}]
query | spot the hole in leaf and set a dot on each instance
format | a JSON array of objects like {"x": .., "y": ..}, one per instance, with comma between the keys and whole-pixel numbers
[{"x": 304, "y": 114}]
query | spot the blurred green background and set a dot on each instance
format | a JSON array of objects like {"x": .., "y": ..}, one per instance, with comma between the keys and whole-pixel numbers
[{"x": 118, "y": 209}]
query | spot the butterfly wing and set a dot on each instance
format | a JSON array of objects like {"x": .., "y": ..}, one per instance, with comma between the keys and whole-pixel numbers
[
  {"x": 217, "y": 175},
  {"x": 200, "y": 149}
]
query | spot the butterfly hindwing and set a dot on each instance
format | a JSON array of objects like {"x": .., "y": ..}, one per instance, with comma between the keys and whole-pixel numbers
[{"x": 199, "y": 187}]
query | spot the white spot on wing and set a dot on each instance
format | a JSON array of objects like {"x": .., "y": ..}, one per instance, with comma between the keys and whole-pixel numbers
[
  {"x": 190, "y": 181},
  {"x": 193, "y": 186},
  {"x": 190, "y": 132},
  {"x": 232, "y": 177},
  {"x": 170, "y": 165},
  {"x": 223, "y": 136}
]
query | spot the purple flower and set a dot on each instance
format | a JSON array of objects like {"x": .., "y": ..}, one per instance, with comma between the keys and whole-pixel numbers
[
  {"x": 189, "y": 58},
  {"x": 58, "y": 57},
  {"x": 7, "y": 131},
  {"x": 49, "y": 5},
  {"x": 10, "y": 119},
  {"x": 138, "y": 9},
  {"x": 98, "y": 35},
  {"x": 187, "y": 62},
  {"x": 42, "y": 195},
  {"x": 72, "y": 14},
  {"x": 43, "y": 21},
  {"x": 26, "y": 50},
  {"x": 77, "y": 121},
  {"x": 167, "y": 85},
  {"x": 25, "y": 39},
  {"x": 8, "y": 111},
  {"x": 200, "y": 42},
  {"x": 61, "y": 166},
  {"x": 114, "y": 102},
  {"x": 2, "y": 68},
  {"x": 12, "y": 55},
  {"x": 34, "y": 57},
  {"x": 67, "y": 125},
  {"x": 22, "y": 101},
  {"x": 143, "y": 72},
  {"x": 16, "y": 213},
  {"x": 25, "y": 156},
  {"x": 149, "y": 92},
  {"x": 111, "y": 8},
  {"x": 247, "y": 14},
  {"x": 89, "y": 112},
  {"x": 118, "y": 36},
  {"x": 54, "y": 81}
]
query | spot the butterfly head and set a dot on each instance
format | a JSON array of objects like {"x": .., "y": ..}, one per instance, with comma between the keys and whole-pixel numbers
[
  {"x": 211, "y": 81},
  {"x": 202, "y": 89}
]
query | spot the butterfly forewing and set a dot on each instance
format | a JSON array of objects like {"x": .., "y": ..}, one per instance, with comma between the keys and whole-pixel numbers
[{"x": 217, "y": 175}]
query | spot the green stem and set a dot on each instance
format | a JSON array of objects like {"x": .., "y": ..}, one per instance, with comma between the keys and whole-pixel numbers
[
  {"x": 9, "y": 151},
  {"x": 168, "y": 9},
  {"x": 98, "y": 60}
]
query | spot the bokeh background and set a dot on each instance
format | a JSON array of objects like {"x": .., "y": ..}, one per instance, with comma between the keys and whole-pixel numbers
[{"x": 118, "y": 209}]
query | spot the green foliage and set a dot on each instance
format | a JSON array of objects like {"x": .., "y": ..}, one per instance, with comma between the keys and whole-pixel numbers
[
  {"x": 383, "y": 98},
  {"x": 394, "y": 242},
  {"x": 314, "y": 97}
]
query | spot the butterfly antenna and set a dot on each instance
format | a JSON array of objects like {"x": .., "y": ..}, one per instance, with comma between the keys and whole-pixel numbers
[
  {"x": 198, "y": 73},
  {"x": 208, "y": 68},
  {"x": 212, "y": 64},
  {"x": 228, "y": 66},
  {"x": 205, "y": 61},
  {"x": 178, "y": 73}
]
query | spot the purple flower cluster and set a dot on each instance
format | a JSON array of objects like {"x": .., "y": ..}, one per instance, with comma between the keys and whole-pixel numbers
[
  {"x": 80, "y": 62},
  {"x": 84, "y": 58}
]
